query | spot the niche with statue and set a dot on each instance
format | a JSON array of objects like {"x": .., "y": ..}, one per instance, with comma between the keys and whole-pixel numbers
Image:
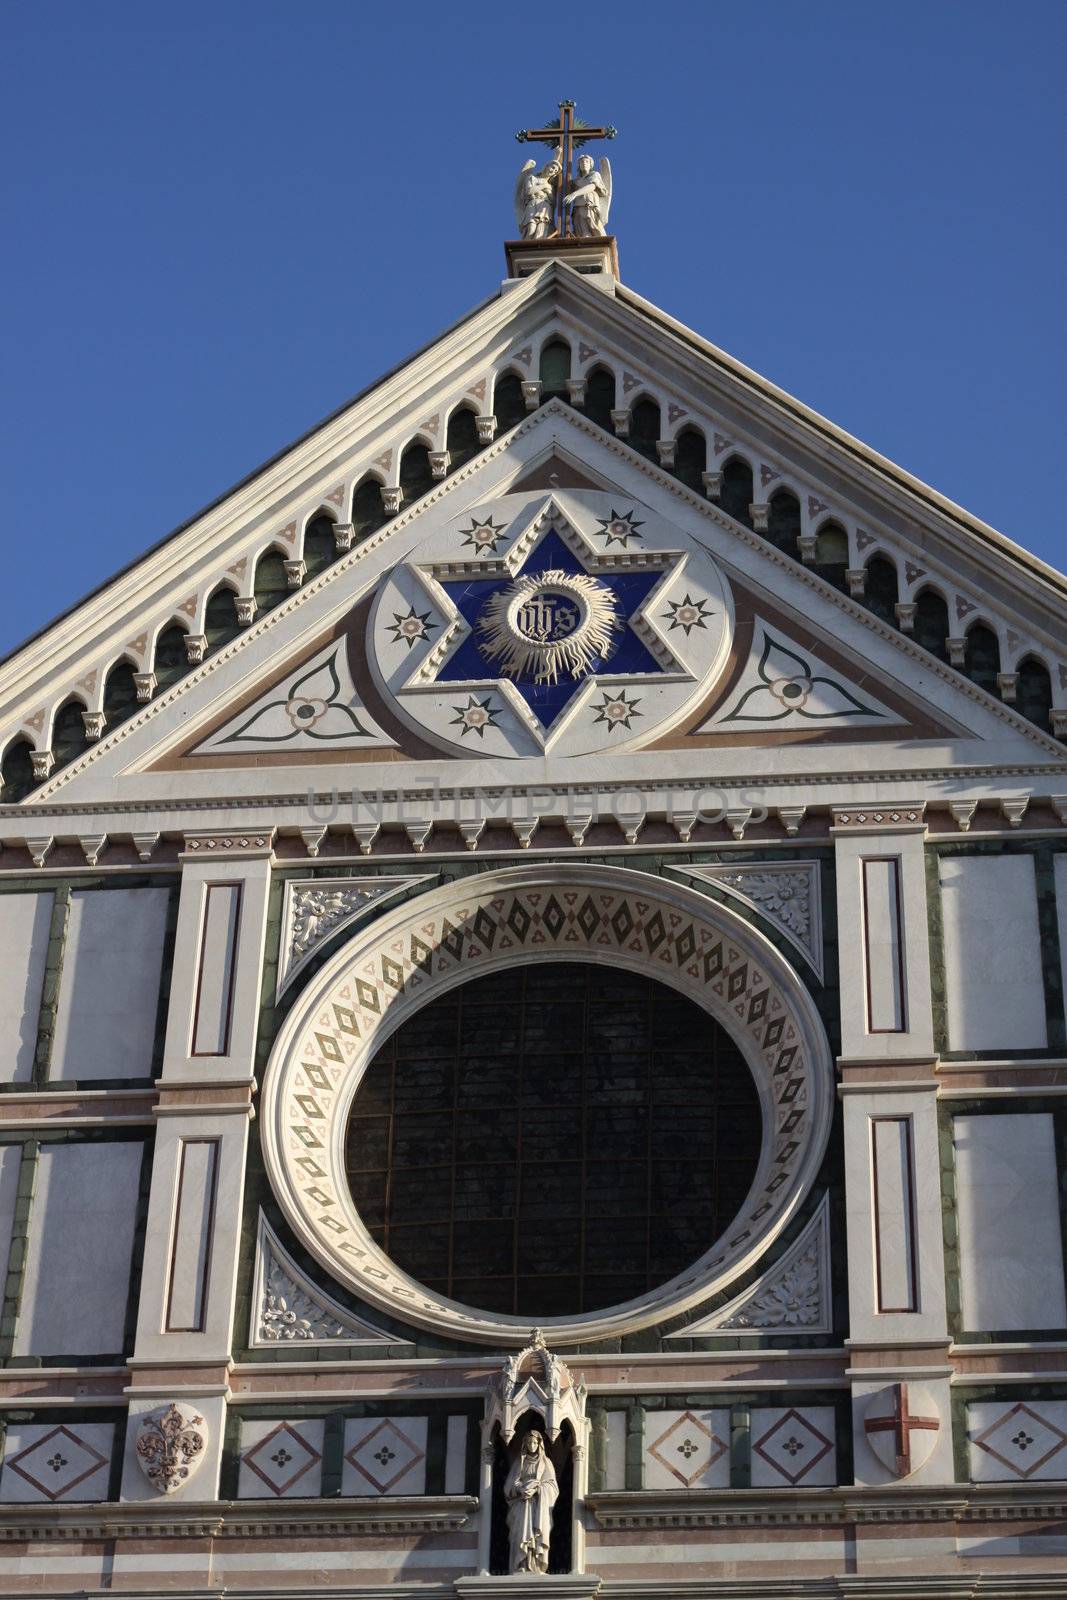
[{"x": 534, "y": 1467}]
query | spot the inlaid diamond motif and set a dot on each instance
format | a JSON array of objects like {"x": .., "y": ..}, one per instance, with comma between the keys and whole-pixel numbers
[
  {"x": 789, "y": 1446},
  {"x": 56, "y": 1462},
  {"x": 1022, "y": 1441},
  {"x": 283, "y": 1458},
  {"x": 685, "y": 1451},
  {"x": 385, "y": 1456}
]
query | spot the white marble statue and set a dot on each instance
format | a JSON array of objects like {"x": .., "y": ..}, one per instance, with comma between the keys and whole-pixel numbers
[
  {"x": 535, "y": 198},
  {"x": 531, "y": 1491},
  {"x": 590, "y": 198}
]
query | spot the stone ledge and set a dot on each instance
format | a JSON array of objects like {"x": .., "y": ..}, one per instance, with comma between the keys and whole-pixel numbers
[
  {"x": 827, "y": 1508},
  {"x": 238, "y": 1519}
]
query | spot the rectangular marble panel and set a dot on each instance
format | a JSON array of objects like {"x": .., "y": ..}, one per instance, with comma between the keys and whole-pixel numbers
[
  {"x": 793, "y": 1446},
  {"x": 10, "y": 1166},
  {"x": 215, "y": 973},
  {"x": 1011, "y": 1241},
  {"x": 893, "y": 1180},
  {"x": 687, "y": 1449},
  {"x": 994, "y": 986},
  {"x": 25, "y": 923},
  {"x": 1059, "y": 873},
  {"x": 456, "y": 1455},
  {"x": 615, "y": 1451},
  {"x": 51, "y": 1462},
  {"x": 1017, "y": 1441},
  {"x": 384, "y": 1455},
  {"x": 77, "y": 1275},
  {"x": 109, "y": 987},
  {"x": 190, "y": 1258},
  {"x": 883, "y": 945},
  {"x": 280, "y": 1460}
]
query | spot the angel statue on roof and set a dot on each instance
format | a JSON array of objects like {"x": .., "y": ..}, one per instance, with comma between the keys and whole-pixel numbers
[
  {"x": 535, "y": 198},
  {"x": 590, "y": 198}
]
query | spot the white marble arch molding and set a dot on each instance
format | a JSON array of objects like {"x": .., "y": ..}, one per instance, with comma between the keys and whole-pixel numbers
[{"x": 541, "y": 912}]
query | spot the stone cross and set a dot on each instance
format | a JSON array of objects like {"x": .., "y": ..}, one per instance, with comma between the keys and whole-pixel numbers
[{"x": 566, "y": 135}]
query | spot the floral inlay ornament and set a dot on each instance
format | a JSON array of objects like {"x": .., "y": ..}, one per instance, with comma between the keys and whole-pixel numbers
[
  {"x": 476, "y": 716},
  {"x": 790, "y": 686},
  {"x": 484, "y": 536},
  {"x": 619, "y": 528},
  {"x": 170, "y": 1446},
  {"x": 312, "y": 705},
  {"x": 549, "y": 623},
  {"x": 687, "y": 613},
  {"x": 412, "y": 628},
  {"x": 617, "y": 710}
]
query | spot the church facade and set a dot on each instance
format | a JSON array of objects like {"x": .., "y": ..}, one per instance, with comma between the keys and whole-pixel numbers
[{"x": 533, "y": 941}]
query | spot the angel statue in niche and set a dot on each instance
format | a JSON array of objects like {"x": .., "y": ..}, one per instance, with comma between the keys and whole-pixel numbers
[
  {"x": 535, "y": 198},
  {"x": 590, "y": 198},
  {"x": 531, "y": 1491}
]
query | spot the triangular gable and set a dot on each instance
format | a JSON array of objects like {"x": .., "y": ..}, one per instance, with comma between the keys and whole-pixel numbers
[
  {"x": 687, "y": 688},
  {"x": 651, "y": 355}
]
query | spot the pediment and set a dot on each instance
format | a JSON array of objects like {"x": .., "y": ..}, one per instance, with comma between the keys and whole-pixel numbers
[
  {"x": 786, "y": 662},
  {"x": 418, "y": 648}
]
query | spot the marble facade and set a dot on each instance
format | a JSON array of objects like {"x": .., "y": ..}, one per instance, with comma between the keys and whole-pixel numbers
[{"x": 564, "y": 704}]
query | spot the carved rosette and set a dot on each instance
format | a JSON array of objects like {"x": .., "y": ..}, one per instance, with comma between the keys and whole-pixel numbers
[{"x": 171, "y": 1442}]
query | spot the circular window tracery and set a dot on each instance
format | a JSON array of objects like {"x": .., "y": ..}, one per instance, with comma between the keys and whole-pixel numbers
[
  {"x": 553, "y": 1139},
  {"x": 624, "y": 919}
]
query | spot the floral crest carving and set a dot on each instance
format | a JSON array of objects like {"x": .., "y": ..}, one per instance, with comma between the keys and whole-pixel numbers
[
  {"x": 289, "y": 1309},
  {"x": 786, "y": 893},
  {"x": 792, "y": 1296},
  {"x": 170, "y": 1446}
]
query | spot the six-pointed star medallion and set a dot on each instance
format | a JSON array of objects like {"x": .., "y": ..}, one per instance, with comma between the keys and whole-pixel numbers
[
  {"x": 534, "y": 615},
  {"x": 550, "y": 603}
]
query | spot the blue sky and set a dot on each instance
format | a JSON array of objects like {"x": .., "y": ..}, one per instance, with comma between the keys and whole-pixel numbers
[{"x": 224, "y": 219}]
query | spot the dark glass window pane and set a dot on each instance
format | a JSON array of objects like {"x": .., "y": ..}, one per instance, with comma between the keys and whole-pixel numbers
[{"x": 552, "y": 1140}]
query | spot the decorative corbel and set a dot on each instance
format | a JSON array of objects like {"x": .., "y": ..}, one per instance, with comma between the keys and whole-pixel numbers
[{"x": 295, "y": 572}]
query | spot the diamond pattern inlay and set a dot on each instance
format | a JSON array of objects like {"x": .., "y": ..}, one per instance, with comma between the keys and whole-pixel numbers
[
  {"x": 686, "y": 1451},
  {"x": 1023, "y": 1441},
  {"x": 283, "y": 1457},
  {"x": 791, "y": 1445},
  {"x": 385, "y": 1456},
  {"x": 54, "y": 1462}
]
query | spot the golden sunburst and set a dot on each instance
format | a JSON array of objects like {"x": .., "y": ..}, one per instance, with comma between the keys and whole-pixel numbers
[{"x": 549, "y": 623}]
